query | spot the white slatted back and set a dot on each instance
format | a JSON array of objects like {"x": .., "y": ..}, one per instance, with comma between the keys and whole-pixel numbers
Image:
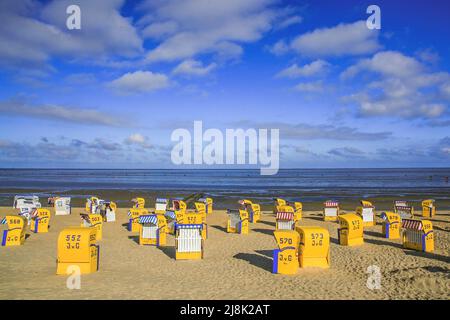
[
  {"x": 367, "y": 214},
  {"x": 414, "y": 236},
  {"x": 189, "y": 240},
  {"x": 330, "y": 212},
  {"x": 149, "y": 231},
  {"x": 284, "y": 225}
]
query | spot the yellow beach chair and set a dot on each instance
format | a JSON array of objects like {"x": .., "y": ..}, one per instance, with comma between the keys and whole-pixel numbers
[
  {"x": 391, "y": 225},
  {"x": 278, "y": 202},
  {"x": 62, "y": 206},
  {"x": 15, "y": 235},
  {"x": 418, "y": 235},
  {"x": 188, "y": 242},
  {"x": 314, "y": 249},
  {"x": 253, "y": 209},
  {"x": 153, "y": 230},
  {"x": 161, "y": 205},
  {"x": 404, "y": 208},
  {"x": 133, "y": 218},
  {"x": 428, "y": 208},
  {"x": 285, "y": 218},
  {"x": 237, "y": 221},
  {"x": 40, "y": 219},
  {"x": 208, "y": 203},
  {"x": 350, "y": 232},
  {"x": 330, "y": 210},
  {"x": 138, "y": 203},
  {"x": 195, "y": 218},
  {"x": 367, "y": 213},
  {"x": 77, "y": 246},
  {"x": 298, "y": 210},
  {"x": 285, "y": 258},
  {"x": 94, "y": 221}
]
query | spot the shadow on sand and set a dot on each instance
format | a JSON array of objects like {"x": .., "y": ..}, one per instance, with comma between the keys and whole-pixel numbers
[
  {"x": 221, "y": 228},
  {"x": 264, "y": 231},
  {"x": 168, "y": 251},
  {"x": 267, "y": 223},
  {"x": 134, "y": 238},
  {"x": 428, "y": 255},
  {"x": 258, "y": 260}
]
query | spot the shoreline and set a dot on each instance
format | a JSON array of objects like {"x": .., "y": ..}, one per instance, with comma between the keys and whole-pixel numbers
[{"x": 225, "y": 198}]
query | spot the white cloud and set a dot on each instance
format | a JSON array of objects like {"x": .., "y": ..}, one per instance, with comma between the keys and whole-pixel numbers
[
  {"x": 341, "y": 40},
  {"x": 194, "y": 68},
  {"x": 289, "y": 22},
  {"x": 346, "y": 152},
  {"x": 279, "y": 48},
  {"x": 31, "y": 33},
  {"x": 399, "y": 86},
  {"x": 314, "y": 68},
  {"x": 305, "y": 131},
  {"x": 57, "y": 112},
  {"x": 203, "y": 26},
  {"x": 138, "y": 139},
  {"x": 158, "y": 30},
  {"x": 140, "y": 82},
  {"x": 311, "y": 87}
]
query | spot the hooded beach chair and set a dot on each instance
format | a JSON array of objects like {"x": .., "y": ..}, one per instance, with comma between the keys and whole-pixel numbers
[
  {"x": 161, "y": 205},
  {"x": 26, "y": 202},
  {"x": 404, "y": 208},
  {"x": 278, "y": 202},
  {"x": 285, "y": 258},
  {"x": 15, "y": 234},
  {"x": 195, "y": 218},
  {"x": 237, "y": 221},
  {"x": 330, "y": 210},
  {"x": 391, "y": 225},
  {"x": 40, "y": 219},
  {"x": 94, "y": 221},
  {"x": 285, "y": 218},
  {"x": 208, "y": 204},
  {"x": 314, "y": 247},
  {"x": 26, "y": 205},
  {"x": 367, "y": 213},
  {"x": 351, "y": 230},
  {"x": 77, "y": 247},
  {"x": 153, "y": 230},
  {"x": 418, "y": 235},
  {"x": 253, "y": 209},
  {"x": 107, "y": 209},
  {"x": 62, "y": 206},
  {"x": 179, "y": 207},
  {"x": 171, "y": 221},
  {"x": 133, "y": 218},
  {"x": 200, "y": 209},
  {"x": 188, "y": 241},
  {"x": 428, "y": 208},
  {"x": 298, "y": 209},
  {"x": 138, "y": 203},
  {"x": 91, "y": 205}
]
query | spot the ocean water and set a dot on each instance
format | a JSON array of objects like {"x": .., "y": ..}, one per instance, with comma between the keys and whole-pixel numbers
[{"x": 309, "y": 184}]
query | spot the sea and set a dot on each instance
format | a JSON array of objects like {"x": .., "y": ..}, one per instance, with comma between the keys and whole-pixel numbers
[{"x": 309, "y": 185}]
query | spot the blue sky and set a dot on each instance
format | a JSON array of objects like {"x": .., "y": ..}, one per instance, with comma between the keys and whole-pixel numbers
[{"x": 109, "y": 95}]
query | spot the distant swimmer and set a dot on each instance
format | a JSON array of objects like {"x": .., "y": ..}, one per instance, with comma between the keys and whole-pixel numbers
[{"x": 446, "y": 179}]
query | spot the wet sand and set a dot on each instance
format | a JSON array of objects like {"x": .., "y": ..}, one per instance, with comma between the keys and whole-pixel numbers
[{"x": 234, "y": 266}]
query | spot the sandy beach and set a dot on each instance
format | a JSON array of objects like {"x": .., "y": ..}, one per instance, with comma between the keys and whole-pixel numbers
[{"x": 234, "y": 266}]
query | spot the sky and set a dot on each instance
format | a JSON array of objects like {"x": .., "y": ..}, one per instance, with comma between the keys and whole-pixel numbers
[{"x": 110, "y": 94}]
